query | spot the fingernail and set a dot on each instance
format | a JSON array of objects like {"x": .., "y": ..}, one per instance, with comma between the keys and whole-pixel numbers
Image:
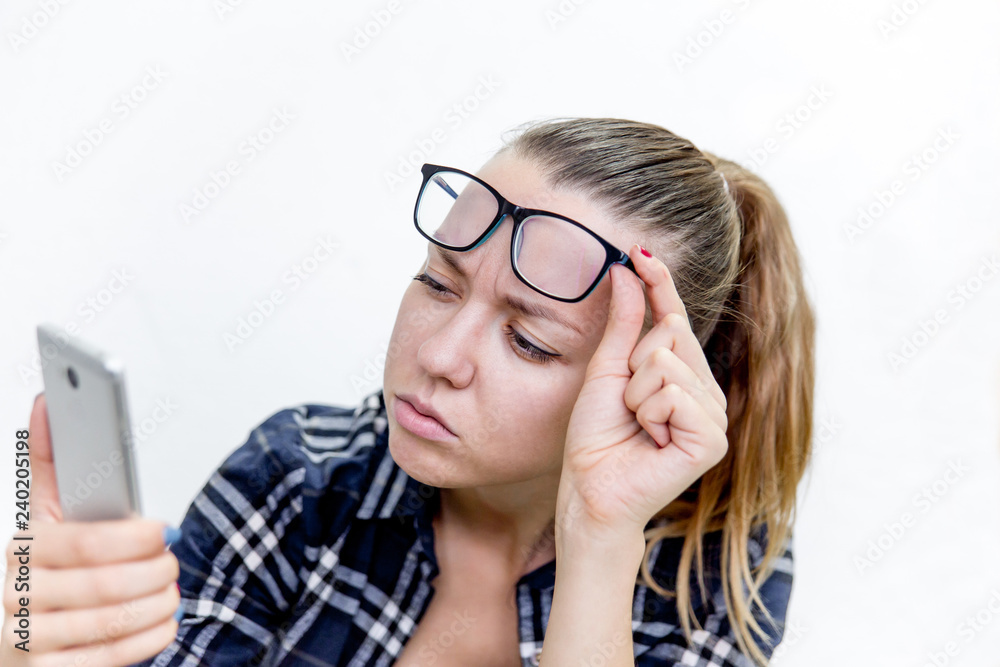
[
  {"x": 179, "y": 614},
  {"x": 178, "y": 586},
  {"x": 170, "y": 535},
  {"x": 644, "y": 251}
]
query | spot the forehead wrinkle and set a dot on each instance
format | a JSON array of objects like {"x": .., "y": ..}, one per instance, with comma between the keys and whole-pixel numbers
[{"x": 515, "y": 303}]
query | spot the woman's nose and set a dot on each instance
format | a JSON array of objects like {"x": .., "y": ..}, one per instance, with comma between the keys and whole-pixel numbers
[{"x": 449, "y": 350}]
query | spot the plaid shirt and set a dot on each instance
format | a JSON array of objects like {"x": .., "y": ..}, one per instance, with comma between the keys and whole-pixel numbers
[{"x": 310, "y": 546}]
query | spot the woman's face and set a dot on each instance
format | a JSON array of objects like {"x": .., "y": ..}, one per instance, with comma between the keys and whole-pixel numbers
[{"x": 462, "y": 351}]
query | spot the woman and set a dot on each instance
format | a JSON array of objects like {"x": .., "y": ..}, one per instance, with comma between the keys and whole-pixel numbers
[{"x": 647, "y": 432}]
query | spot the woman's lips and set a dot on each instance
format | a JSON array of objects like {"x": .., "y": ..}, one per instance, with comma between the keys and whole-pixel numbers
[{"x": 419, "y": 424}]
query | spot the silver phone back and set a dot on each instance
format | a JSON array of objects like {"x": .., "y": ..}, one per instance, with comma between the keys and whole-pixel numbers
[{"x": 90, "y": 429}]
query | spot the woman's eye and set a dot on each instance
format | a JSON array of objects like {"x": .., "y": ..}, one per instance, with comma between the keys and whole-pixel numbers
[
  {"x": 524, "y": 347},
  {"x": 528, "y": 349},
  {"x": 431, "y": 284}
]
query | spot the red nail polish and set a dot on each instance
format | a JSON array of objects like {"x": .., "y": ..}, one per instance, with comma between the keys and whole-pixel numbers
[
  {"x": 178, "y": 586},
  {"x": 644, "y": 251}
]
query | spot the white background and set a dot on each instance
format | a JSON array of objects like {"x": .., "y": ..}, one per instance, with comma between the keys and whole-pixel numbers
[{"x": 885, "y": 92}]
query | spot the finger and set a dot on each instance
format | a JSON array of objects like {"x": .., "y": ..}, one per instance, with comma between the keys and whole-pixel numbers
[
  {"x": 72, "y": 544},
  {"x": 62, "y": 629},
  {"x": 44, "y": 495},
  {"x": 625, "y": 315},
  {"x": 119, "y": 652},
  {"x": 663, "y": 297},
  {"x": 674, "y": 332},
  {"x": 662, "y": 367},
  {"x": 672, "y": 417},
  {"x": 104, "y": 584},
  {"x": 668, "y": 309}
]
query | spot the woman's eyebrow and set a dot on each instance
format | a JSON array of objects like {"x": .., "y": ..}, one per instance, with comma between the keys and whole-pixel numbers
[{"x": 516, "y": 303}]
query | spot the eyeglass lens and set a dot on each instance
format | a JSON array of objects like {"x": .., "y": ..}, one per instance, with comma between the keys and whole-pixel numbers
[{"x": 552, "y": 254}]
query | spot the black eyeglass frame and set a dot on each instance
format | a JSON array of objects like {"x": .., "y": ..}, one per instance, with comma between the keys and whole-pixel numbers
[{"x": 518, "y": 214}]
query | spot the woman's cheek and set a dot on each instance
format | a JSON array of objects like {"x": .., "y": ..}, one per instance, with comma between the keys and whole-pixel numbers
[
  {"x": 487, "y": 430},
  {"x": 423, "y": 313},
  {"x": 398, "y": 345}
]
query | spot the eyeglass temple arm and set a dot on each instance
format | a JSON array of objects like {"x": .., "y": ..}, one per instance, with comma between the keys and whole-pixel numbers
[{"x": 445, "y": 186}]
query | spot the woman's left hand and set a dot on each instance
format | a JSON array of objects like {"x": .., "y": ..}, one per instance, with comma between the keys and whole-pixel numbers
[{"x": 650, "y": 418}]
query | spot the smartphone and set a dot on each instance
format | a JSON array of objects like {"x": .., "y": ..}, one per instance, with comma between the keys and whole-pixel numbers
[{"x": 90, "y": 429}]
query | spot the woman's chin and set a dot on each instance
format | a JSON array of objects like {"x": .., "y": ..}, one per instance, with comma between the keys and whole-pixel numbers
[{"x": 422, "y": 461}]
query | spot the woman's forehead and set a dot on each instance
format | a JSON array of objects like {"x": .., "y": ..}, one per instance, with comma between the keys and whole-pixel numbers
[{"x": 523, "y": 182}]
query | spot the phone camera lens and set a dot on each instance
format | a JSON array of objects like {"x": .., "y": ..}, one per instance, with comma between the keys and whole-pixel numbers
[{"x": 73, "y": 379}]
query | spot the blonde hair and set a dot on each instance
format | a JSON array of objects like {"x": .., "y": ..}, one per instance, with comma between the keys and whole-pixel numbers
[{"x": 726, "y": 239}]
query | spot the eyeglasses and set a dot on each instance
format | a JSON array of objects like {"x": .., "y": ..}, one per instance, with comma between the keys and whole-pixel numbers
[{"x": 549, "y": 253}]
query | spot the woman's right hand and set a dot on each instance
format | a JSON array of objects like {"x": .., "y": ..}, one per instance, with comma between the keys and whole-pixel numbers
[{"x": 98, "y": 592}]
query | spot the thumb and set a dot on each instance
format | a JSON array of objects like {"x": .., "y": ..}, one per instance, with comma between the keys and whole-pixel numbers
[
  {"x": 625, "y": 315},
  {"x": 45, "y": 504}
]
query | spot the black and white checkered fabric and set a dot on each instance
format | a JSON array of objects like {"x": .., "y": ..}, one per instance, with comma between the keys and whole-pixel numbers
[{"x": 310, "y": 546}]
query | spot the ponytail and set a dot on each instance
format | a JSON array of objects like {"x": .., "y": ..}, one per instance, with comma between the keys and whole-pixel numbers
[{"x": 761, "y": 354}]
